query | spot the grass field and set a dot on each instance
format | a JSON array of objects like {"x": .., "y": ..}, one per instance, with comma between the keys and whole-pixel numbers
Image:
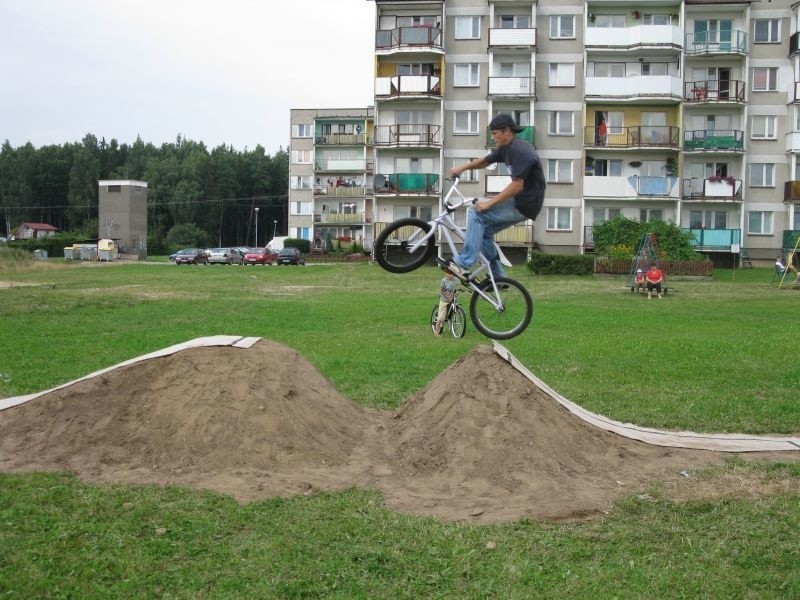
[{"x": 714, "y": 355}]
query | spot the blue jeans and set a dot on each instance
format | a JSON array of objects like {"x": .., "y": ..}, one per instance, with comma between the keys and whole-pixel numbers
[{"x": 479, "y": 238}]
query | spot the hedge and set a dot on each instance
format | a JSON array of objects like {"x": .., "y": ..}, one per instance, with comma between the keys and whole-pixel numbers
[
  {"x": 699, "y": 268},
  {"x": 561, "y": 264}
]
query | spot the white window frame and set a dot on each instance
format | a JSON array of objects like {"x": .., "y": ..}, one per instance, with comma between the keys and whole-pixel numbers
[
  {"x": 300, "y": 207},
  {"x": 763, "y": 127},
  {"x": 555, "y": 215},
  {"x": 472, "y": 125},
  {"x": 651, "y": 214},
  {"x": 302, "y": 130},
  {"x": 762, "y": 175},
  {"x": 764, "y": 222},
  {"x": 560, "y": 25},
  {"x": 467, "y": 27},
  {"x": 559, "y": 170},
  {"x": 770, "y": 74},
  {"x": 301, "y": 182},
  {"x": 302, "y": 157},
  {"x": 561, "y": 75},
  {"x": 468, "y": 176},
  {"x": 466, "y": 75},
  {"x": 561, "y": 122},
  {"x": 773, "y": 31}
]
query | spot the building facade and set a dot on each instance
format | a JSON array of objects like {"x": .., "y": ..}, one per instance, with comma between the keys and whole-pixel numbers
[
  {"x": 684, "y": 111},
  {"x": 122, "y": 214}
]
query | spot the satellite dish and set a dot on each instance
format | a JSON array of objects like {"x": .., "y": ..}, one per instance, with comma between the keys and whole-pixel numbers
[
  {"x": 358, "y": 180},
  {"x": 380, "y": 180}
]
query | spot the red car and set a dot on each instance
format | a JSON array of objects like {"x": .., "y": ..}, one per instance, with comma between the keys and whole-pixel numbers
[{"x": 258, "y": 256}]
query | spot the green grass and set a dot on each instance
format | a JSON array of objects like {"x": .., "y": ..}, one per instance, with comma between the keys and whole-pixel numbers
[{"x": 714, "y": 355}]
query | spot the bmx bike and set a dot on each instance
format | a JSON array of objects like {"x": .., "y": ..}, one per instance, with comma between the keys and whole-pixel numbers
[
  {"x": 500, "y": 307},
  {"x": 455, "y": 318}
]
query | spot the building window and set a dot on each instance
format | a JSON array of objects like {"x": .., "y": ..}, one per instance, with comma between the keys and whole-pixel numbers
[
  {"x": 759, "y": 222},
  {"x": 465, "y": 122},
  {"x": 651, "y": 214},
  {"x": 559, "y": 170},
  {"x": 607, "y": 21},
  {"x": 300, "y": 208},
  {"x": 301, "y": 157},
  {"x": 607, "y": 69},
  {"x": 468, "y": 28},
  {"x": 114, "y": 189},
  {"x": 301, "y": 182},
  {"x": 562, "y": 75},
  {"x": 762, "y": 175},
  {"x": 559, "y": 218},
  {"x": 561, "y": 123},
  {"x": 468, "y": 176},
  {"x": 302, "y": 130},
  {"x": 763, "y": 127},
  {"x": 515, "y": 21},
  {"x": 562, "y": 27},
  {"x": 766, "y": 31},
  {"x": 414, "y": 211},
  {"x": 466, "y": 75},
  {"x": 765, "y": 79}
]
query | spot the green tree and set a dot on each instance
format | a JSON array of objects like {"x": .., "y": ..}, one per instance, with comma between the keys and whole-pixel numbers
[
  {"x": 187, "y": 235},
  {"x": 673, "y": 243}
]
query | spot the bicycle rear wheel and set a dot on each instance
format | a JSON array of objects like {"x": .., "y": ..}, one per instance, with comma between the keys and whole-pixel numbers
[
  {"x": 458, "y": 322},
  {"x": 514, "y": 315},
  {"x": 393, "y": 246}
]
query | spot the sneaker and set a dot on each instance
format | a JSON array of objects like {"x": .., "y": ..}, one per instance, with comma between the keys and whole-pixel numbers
[{"x": 449, "y": 265}]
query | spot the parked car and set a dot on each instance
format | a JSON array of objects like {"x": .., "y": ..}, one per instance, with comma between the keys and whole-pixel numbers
[
  {"x": 291, "y": 256},
  {"x": 258, "y": 256},
  {"x": 191, "y": 256},
  {"x": 224, "y": 256}
]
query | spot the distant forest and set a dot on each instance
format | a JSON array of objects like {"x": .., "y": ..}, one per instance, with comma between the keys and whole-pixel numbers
[{"x": 209, "y": 196}]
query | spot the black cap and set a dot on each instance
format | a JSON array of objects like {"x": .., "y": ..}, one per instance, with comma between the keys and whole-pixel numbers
[{"x": 503, "y": 121}]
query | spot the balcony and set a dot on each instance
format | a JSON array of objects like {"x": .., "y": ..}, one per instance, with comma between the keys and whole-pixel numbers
[
  {"x": 791, "y": 191},
  {"x": 511, "y": 38},
  {"x": 630, "y": 187},
  {"x": 712, "y": 189},
  {"x": 716, "y": 42},
  {"x": 407, "y": 85},
  {"x": 714, "y": 90},
  {"x": 408, "y": 38},
  {"x": 407, "y": 183},
  {"x": 713, "y": 139},
  {"x": 341, "y": 165},
  {"x": 516, "y": 235},
  {"x": 408, "y": 135},
  {"x": 340, "y": 191},
  {"x": 793, "y": 44},
  {"x": 794, "y": 92},
  {"x": 526, "y": 134},
  {"x": 634, "y": 36},
  {"x": 341, "y": 139},
  {"x": 512, "y": 87},
  {"x": 340, "y": 218},
  {"x": 793, "y": 142},
  {"x": 635, "y": 86},
  {"x": 714, "y": 239},
  {"x": 637, "y": 136}
]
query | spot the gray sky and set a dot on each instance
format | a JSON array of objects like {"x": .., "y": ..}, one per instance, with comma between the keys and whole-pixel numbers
[{"x": 222, "y": 71}]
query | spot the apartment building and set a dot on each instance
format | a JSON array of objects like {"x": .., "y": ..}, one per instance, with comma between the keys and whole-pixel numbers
[{"x": 686, "y": 111}]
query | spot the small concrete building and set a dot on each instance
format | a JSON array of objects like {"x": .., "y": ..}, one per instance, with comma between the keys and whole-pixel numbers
[{"x": 122, "y": 215}]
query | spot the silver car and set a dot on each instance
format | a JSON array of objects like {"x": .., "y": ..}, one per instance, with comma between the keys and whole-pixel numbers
[{"x": 224, "y": 256}]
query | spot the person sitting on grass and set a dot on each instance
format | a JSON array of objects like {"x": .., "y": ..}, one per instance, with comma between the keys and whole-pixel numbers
[
  {"x": 654, "y": 277},
  {"x": 781, "y": 268}
]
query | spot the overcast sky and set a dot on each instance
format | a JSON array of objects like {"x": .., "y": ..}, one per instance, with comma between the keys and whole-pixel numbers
[{"x": 216, "y": 71}]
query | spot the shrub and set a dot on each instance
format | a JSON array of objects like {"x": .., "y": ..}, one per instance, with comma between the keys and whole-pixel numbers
[
  {"x": 673, "y": 242},
  {"x": 559, "y": 264}
]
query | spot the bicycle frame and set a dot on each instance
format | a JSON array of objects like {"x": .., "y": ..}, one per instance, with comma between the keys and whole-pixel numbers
[{"x": 449, "y": 229}]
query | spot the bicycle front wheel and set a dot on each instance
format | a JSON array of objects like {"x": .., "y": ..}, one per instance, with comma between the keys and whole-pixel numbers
[
  {"x": 513, "y": 315},
  {"x": 434, "y": 316},
  {"x": 458, "y": 322},
  {"x": 393, "y": 248}
]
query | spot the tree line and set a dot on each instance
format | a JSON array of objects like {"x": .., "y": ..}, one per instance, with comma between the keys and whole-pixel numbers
[{"x": 209, "y": 196}]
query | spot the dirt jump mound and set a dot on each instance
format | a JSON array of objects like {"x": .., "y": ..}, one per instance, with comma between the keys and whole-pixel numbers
[{"x": 480, "y": 442}]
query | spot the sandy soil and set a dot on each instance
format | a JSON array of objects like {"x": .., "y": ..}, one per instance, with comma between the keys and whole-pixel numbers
[{"x": 480, "y": 442}]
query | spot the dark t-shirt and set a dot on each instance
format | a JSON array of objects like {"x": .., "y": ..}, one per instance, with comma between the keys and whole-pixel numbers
[{"x": 523, "y": 163}]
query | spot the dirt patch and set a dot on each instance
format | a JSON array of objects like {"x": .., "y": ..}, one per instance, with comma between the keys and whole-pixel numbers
[{"x": 480, "y": 442}]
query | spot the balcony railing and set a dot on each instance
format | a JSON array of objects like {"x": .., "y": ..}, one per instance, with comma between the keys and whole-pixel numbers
[
  {"x": 517, "y": 235},
  {"x": 408, "y": 37},
  {"x": 630, "y": 187},
  {"x": 340, "y": 218},
  {"x": 526, "y": 134},
  {"x": 407, "y": 85},
  {"x": 713, "y": 139},
  {"x": 341, "y": 139},
  {"x": 635, "y": 35},
  {"x": 637, "y": 136},
  {"x": 636, "y": 86},
  {"x": 344, "y": 165},
  {"x": 791, "y": 191},
  {"x": 512, "y": 87},
  {"x": 716, "y": 41},
  {"x": 407, "y": 183},
  {"x": 712, "y": 188},
  {"x": 340, "y": 191},
  {"x": 714, "y": 90},
  {"x": 511, "y": 38},
  {"x": 408, "y": 135},
  {"x": 714, "y": 239}
]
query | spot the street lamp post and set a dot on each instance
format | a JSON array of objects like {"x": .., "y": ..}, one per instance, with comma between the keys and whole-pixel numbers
[
  {"x": 257, "y": 209},
  {"x": 274, "y": 228}
]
